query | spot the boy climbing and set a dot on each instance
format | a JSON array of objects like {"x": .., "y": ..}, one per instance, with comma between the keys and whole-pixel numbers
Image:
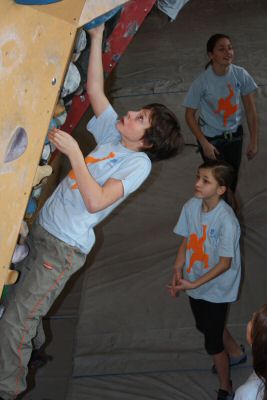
[{"x": 63, "y": 235}]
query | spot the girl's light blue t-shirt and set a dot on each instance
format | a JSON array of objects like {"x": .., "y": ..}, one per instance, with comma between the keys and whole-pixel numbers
[
  {"x": 64, "y": 214},
  {"x": 210, "y": 235},
  {"x": 218, "y": 99},
  {"x": 252, "y": 389}
]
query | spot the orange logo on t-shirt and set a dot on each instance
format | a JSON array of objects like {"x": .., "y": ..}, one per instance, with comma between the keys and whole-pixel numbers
[
  {"x": 197, "y": 245},
  {"x": 89, "y": 160},
  {"x": 226, "y": 106}
]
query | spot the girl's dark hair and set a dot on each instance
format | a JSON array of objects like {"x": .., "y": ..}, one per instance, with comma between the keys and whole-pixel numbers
[
  {"x": 211, "y": 43},
  {"x": 164, "y": 134},
  {"x": 224, "y": 174},
  {"x": 259, "y": 345}
]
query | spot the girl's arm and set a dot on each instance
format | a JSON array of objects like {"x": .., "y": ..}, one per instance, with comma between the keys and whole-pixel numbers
[
  {"x": 209, "y": 150},
  {"x": 95, "y": 197},
  {"x": 178, "y": 267},
  {"x": 223, "y": 265},
  {"x": 252, "y": 120},
  {"x": 180, "y": 258},
  {"x": 95, "y": 76}
]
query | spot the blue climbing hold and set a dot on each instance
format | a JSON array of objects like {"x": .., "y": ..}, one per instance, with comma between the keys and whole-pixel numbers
[
  {"x": 102, "y": 18},
  {"x": 36, "y": 2},
  {"x": 31, "y": 207}
]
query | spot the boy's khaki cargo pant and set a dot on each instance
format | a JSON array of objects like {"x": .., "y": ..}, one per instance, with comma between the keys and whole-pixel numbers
[{"x": 44, "y": 273}]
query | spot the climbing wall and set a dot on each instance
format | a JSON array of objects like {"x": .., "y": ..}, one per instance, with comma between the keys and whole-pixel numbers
[{"x": 35, "y": 47}]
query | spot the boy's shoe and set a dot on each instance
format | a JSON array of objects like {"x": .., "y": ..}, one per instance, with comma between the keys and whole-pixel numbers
[
  {"x": 38, "y": 359},
  {"x": 224, "y": 395},
  {"x": 234, "y": 361}
]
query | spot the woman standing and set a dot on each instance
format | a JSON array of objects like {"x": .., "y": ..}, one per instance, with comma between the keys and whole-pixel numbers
[{"x": 218, "y": 94}]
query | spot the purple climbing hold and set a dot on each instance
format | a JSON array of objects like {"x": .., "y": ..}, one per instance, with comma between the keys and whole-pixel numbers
[
  {"x": 17, "y": 145},
  {"x": 36, "y": 2}
]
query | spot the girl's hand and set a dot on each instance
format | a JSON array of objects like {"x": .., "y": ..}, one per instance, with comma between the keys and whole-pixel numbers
[
  {"x": 184, "y": 284},
  {"x": 251, "y": 151},
  {"x": 177, "y": 276},
  {"x": 173, "y": 292},
  {"x": 97, "y": 31},
  {"x": 209, "y": 150},
  {"x": 63, "y": 142}
]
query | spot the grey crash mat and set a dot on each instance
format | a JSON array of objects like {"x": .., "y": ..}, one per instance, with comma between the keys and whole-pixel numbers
[{"x": 132, "y": 341}]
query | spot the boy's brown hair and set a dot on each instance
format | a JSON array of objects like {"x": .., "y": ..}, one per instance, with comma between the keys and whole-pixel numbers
[{"x": 164, "y": 134}]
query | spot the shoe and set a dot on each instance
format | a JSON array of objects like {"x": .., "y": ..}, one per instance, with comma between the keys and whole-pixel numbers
[
  {"x": 38, "y": 359},
  {"x": 224, "y": 395},
  {"x": 234, "y": 361}
]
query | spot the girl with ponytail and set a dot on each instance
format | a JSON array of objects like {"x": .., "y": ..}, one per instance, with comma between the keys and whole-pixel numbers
[
  {"x": 255, "y": 388},
  {"x": 208, "y": 266},
  {"x": 218, "y": 94}
]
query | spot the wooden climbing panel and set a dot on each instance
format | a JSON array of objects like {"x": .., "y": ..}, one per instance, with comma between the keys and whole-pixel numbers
[{"x": 35, "y": 47}]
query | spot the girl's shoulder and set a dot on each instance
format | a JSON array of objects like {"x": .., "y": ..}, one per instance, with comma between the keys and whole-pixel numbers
[
  {"x": 252, "y": 389},
  {"x": 227, "y": 217},
  {"x": 235, "y": 67},
  {"x": 200, "y": 80},
  {"x": 239, "y": 72},
  {"x": 204, "y": 76},
  {"x": 193, "y": 203},
  {"x": 226, "y": 210}
]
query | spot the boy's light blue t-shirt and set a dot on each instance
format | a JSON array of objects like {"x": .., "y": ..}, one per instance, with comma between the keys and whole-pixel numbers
[
  {"x": 210, "y": 235},
  {"x": 218, "y": 99},
  {"x": 64, "y": 214}
]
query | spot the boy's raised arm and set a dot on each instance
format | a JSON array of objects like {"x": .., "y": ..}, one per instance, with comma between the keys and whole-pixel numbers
[{"x": 95, "y": 77}]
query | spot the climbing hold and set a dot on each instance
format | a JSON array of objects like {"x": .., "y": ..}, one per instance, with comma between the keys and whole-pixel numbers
[
  {"x": 45, "y": 154},
  {"x": 24, "y": 230},
  {"x": 36, "y": 2},
  {"x": 72, "y": 80},
  {"x": 17, "y": 145},
  {"x": 31, "y": 208},
  {"x": 21, "y": 251},
  {"x": 80, "y": 44},
  {"x": 42, "y": 172},
  {"x": 102, "y": 18}
]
